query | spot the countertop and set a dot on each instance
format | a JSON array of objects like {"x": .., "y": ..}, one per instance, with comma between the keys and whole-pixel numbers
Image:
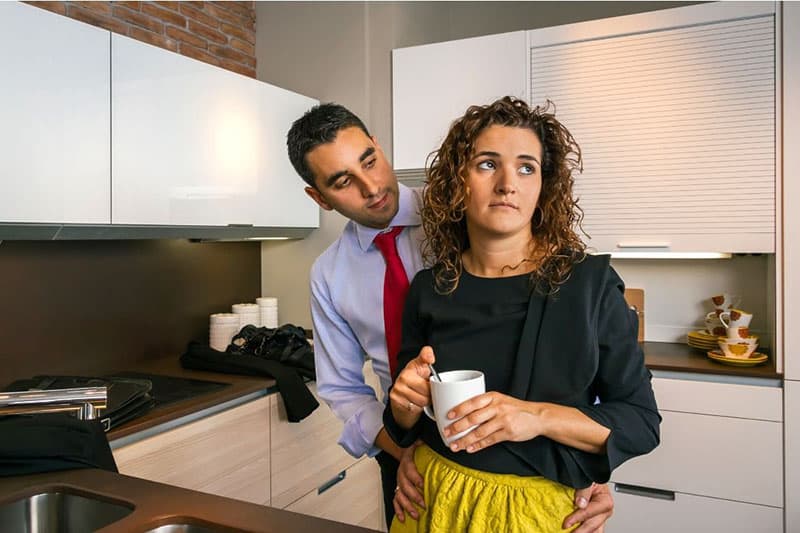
[
  {"x": 170, "y": 366},
  {"x": 678, "y": 357},
  {"x": 157, "y": 504}
]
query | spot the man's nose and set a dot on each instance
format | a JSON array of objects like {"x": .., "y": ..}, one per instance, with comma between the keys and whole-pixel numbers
[{"x": 369, "y": 185}]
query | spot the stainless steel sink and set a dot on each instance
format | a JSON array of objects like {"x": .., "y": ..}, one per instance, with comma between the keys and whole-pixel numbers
[{"x": 60, "y": 511}]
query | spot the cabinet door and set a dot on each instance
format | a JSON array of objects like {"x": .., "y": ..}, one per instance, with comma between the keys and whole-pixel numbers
[
  {"x": 716, "y": 456},
  {"x": 792, "y": 461},
  {"x": 675, "y": 113},
  {"x": 195, "y": 144},
  {"x": 55, "y": 132},
  {"x": 305, "y": 454},
  {"x": 434, "y": 84},
  {"x": 353, "y": 497},
  {"x": 637, "y": 510},
  {"x": 202, "y": 455},
  {"x": 791, "y": 187}
]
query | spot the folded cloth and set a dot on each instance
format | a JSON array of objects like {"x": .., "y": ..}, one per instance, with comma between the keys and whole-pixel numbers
[
  {"x": 49, "y": 442},
  {"x": 297, "y": 399}
]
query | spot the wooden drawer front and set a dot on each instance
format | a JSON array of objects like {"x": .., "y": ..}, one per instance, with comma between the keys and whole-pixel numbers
[
  {"x": 304, "y": 454},
  {"x": 723, "y": 399},
  {"x": 715, "y": 456},
  {"x": 689, "y": 514},
  {"x": 226, "y": 454},
  {"x": 355, "y": 498}
]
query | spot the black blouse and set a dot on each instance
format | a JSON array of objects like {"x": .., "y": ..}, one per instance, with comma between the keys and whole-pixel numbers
[{"x": 575, "y": 348}]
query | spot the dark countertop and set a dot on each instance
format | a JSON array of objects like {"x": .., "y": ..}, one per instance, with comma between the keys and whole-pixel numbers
[
  {"x": 678, "y": 357},
  {"x": 158, "y": 504},
  {"x": 170, "y": 366}
]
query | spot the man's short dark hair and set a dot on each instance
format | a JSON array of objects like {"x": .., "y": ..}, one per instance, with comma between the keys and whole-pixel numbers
[{"x": 317, "y": 126}]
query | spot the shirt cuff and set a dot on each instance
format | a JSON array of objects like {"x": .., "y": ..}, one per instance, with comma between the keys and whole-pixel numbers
[
  {"x": 402, "y": 437},
  {"x": 361, "y": 430}
]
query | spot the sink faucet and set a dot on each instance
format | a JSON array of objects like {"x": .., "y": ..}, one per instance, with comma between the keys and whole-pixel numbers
[{"x": 83, "y": 401}]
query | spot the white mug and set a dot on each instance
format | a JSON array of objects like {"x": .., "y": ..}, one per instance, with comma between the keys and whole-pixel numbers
[{"x": 457, "y": 386}]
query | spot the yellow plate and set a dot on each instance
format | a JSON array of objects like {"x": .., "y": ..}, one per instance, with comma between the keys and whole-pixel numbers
[
  {"x": 755, "y": 358},
  {"x": 701, "y": 335}
]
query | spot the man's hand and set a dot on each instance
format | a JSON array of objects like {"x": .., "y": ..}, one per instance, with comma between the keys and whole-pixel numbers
[
  {"x": 595, "y": 506},
  {"x": 409, "y": 486}
]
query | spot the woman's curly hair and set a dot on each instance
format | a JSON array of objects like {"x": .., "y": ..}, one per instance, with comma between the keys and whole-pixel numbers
[{"x": 557, "y": 244}]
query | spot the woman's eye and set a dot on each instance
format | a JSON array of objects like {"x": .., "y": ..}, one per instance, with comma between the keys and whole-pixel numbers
[
  {"x": 527, "y": 169},
  {"x": 486, "y": 165}
]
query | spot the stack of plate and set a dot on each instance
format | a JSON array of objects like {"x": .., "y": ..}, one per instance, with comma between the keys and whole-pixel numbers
[{"x": 702, "y": 340}]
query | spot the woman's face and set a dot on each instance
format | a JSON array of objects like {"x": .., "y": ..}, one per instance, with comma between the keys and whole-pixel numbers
[{"x": 504, "y": 180}]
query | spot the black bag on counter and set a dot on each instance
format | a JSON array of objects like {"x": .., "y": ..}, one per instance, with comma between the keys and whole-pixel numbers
[
  {"x": 127, "y": 397},
  {"x": 50, "y": 442},
  {"x": 287, "y": 345}
]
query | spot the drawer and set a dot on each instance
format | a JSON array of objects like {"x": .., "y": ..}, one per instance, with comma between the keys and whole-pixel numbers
[
  {"x": 723, "y": 399},
  {"x": 634, "y": 513},
  {"x": 304, "y": 454},
  {"x": 354, "y": 497},
  {"x": 722, "y": 457}
]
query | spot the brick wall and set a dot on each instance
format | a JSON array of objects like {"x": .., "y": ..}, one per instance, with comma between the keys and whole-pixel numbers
[{"x": 219, "y": 33}]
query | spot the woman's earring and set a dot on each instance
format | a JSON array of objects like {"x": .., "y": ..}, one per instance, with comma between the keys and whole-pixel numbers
[{"x": 538, "y": 217}]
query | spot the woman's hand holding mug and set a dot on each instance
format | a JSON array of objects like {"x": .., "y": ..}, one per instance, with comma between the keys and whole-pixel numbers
[{"x": 412, "y": 391}]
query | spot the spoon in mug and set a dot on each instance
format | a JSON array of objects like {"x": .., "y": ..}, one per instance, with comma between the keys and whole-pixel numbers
[{"x": 435, "y": 373}]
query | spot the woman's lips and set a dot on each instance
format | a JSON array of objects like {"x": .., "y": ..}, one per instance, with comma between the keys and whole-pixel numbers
[{"x": 504, "y": 204}]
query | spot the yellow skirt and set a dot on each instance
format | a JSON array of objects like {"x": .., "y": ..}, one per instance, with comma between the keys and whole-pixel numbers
[{"x": 460, "y": 499}]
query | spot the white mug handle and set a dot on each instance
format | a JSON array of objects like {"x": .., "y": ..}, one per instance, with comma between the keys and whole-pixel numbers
[
  {"x": 722, "y": 316},
  {"x": 429, "y": 411}
]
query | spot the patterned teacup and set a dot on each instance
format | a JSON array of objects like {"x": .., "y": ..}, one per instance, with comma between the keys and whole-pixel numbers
[
  {"x": 723, "y": 302},
  {"x": 735, "y": 318},
  {"x": 714, "y": 325},
  {"x": 738, "y": 349}
]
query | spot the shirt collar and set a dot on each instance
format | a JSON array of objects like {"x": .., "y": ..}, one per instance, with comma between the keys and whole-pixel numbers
[{"x": 409, "y": 204}]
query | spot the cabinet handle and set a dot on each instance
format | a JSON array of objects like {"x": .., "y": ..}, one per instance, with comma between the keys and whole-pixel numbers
[
  {"x": 646, "y": 492},
  {"x": 643, "y": 244},
  {"x": 331, "y": 482}
]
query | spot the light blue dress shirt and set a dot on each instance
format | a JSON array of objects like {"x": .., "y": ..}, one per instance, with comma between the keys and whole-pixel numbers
[{"x": 347, "y": 311}]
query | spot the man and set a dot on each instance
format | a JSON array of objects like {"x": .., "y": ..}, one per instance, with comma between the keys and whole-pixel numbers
[{"x": 357, "y": 286}]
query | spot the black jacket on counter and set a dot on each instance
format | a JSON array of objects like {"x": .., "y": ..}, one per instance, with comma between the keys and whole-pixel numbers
[{"x": 30, "y": 444}]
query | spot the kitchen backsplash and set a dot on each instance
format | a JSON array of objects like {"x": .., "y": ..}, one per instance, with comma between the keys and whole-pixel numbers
[{"x": 95, "y": 306}]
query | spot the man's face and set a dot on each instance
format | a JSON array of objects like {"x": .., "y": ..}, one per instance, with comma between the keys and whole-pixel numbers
[{"x": 353, "y": 177}]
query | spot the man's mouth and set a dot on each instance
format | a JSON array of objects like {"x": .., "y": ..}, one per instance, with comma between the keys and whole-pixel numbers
[{"x": 379, "y": 203}]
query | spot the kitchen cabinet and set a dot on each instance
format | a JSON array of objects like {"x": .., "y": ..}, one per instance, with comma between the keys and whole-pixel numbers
[
  {"x": 350, "y": 498},
  {"x": 312, "y": 474},
  {"x": 720, "y": 456},
  {"x": 434, "y": 84},
  {"x": 203, "y": 456},
  {"x": 54, "y": 139},
  {"x": 791, "y": 188},
  {"x": 675, "y": 113},
  {"x": 792, "y": 460},
  {"x": 193, "y": 144}
]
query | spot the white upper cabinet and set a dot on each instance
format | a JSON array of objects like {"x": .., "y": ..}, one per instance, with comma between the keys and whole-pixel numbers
[
  {"x": 54, "y": 118},
  {"x": 675, "y": 113},
  {"x": 434, "y": 84},
  {"x": 193, "y": 144}
]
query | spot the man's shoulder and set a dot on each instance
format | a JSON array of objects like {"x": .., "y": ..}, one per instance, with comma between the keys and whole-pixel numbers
[{"x": 334, "y": 253}]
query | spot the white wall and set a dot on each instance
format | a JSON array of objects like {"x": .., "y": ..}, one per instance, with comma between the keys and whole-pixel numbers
[{"x": 341, "y": 52}]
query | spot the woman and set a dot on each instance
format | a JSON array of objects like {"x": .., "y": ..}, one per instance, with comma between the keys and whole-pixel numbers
[{"x": 513, "y": 294}]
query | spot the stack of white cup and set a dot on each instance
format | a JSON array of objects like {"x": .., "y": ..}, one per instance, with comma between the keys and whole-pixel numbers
[
  {"x": 222, "y": 328},
  {"x": 268, "y": 308},
  {"x": 247, "y": 313}
]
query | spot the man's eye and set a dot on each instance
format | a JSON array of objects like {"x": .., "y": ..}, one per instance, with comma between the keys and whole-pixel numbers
[
  {"x": 342, "y": 183},
  {"x": 486, "y": 165},
  {"x": 370, "y": 163}
]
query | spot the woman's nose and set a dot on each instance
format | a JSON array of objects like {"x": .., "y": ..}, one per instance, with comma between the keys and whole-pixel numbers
[{"x": 505, "y": 180}]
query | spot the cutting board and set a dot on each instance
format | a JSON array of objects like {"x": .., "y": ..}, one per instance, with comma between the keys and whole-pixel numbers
[{"x": 635, "y": 299}]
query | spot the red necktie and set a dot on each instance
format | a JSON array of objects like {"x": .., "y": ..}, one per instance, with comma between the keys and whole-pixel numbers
[{"x": 395, "y": 287}]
